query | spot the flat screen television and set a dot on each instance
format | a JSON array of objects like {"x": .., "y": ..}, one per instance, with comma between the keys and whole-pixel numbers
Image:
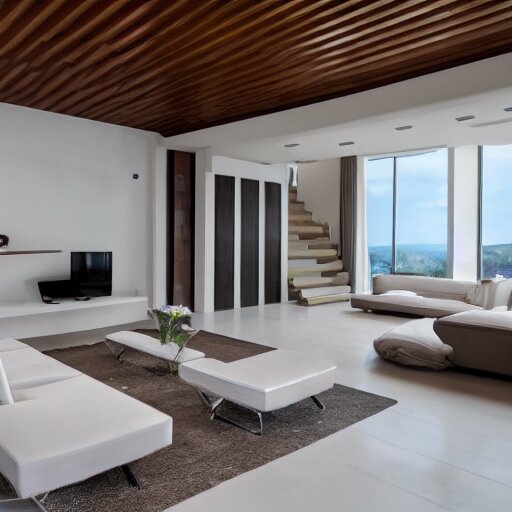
[{"x": 91, "y": 273}]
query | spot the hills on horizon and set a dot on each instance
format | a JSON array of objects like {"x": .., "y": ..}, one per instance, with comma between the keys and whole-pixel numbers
[{"x": 431, "y": 259}]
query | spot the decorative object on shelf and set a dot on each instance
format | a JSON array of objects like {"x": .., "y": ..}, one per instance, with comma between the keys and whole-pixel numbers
[
  {"x": 4, "y": 242},
  {"x": 174, "y": 323},
  {"x": 5, "y": 252}
]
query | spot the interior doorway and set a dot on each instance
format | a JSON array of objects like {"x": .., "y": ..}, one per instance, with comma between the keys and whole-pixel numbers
[{"x": 180, "y": 227}]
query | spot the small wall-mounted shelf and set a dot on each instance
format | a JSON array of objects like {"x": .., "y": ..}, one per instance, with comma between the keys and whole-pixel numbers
[{"x": 13, "y": 253}]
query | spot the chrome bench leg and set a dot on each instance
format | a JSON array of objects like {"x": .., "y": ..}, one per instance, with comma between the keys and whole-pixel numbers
[
  {"x": 130, "y": 477},
  {"x": 318, "y": 403},
  {"x": 22, "y": 504},
  {"x": 213, "y": 406}
]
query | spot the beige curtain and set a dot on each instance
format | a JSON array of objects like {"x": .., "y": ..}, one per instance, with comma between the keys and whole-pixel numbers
[{"x": 348, "y": 214}]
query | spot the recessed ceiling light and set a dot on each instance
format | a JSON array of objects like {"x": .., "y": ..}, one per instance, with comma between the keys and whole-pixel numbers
[
  {"x": 405, "y": 127},
  {"x": 292, "y": 145},
  {"x": 348, "y": 143},
  {"x": 464, "y": 118},
  {"x": 508, "y": 109}
]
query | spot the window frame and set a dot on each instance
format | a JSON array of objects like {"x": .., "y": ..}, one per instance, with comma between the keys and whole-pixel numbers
[{"x": 479, "y": 249}]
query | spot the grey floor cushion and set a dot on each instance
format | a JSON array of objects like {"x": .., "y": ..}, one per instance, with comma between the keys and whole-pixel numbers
[{"x": 415, "y": 344}]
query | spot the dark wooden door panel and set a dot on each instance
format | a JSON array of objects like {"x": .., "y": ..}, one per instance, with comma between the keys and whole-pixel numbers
[
  {"x": 224, "y": 242},
  {"x": 249, "y": 249},
  {"x": 180, "y": 227},
  {"x": 272, "y": 242}
]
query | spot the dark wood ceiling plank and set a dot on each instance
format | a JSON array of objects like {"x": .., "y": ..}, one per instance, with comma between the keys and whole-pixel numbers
[
  {"x": 193, "y": 18},
  {"x": 29, "y": 22},
  {"x": 249, "y": 66},
  {"x": 152, "y": 72},
  {"x": 184, "y": 65},
  {"x": 355, "y": 58},
  {"x": 413, "y": 68},
  {"x": 85, "y": 44}
]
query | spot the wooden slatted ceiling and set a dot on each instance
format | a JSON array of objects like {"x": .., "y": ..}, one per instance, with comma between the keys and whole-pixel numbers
[{"x": 181, "y": 65}]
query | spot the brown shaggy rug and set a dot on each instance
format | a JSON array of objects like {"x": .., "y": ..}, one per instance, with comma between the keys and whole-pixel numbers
[{"x": 204, "y": 453}]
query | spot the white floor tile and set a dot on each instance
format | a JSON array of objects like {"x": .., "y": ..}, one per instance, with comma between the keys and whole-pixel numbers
[{"x": 446, "y": 445}]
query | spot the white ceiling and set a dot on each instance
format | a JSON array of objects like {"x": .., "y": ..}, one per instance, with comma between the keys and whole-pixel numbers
[{"x": 429, "y": 103}]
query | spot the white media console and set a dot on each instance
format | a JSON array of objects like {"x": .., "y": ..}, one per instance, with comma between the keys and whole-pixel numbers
[{"x": 32, "y": 319}]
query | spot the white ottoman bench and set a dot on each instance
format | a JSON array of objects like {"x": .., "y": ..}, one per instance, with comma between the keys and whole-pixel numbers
[{"x": 261, "y": 383}]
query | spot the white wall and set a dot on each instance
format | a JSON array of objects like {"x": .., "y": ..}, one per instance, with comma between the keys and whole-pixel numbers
[
  {"x": 204, "y": 253},
  {"x": 66, "y": 183},
  {"x": 319, "y": 188},
  {"x": 207, "y": 166},
  {"x": 159, "y": 200},
  {"x": 463, "y": 217}
]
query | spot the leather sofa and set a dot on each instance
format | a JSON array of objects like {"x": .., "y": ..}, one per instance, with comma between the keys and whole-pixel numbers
[
  {"x": 64, "y": 427},
  {"x": 481, "y": 340},
  {"x": 432, "y": 297}
]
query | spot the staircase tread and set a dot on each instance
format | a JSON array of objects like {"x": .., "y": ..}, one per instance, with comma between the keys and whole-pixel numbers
[
  {"x": 301, "y": 282},
  {"x": 298, "y": 253},
  {"x": 324, "y": 291},
  {"x": 305, "y": 229},
  {"x": 327, "y": 299},
  {"x": 315, "y": 269}
]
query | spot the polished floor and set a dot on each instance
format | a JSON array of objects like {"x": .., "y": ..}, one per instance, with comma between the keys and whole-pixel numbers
[{"x": 446, "y": 445}]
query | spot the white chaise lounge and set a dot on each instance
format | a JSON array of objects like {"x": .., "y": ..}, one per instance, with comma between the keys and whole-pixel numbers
[
  {"x": 433, "y": 297},
  {"x": 262, "y": 383},
  {"x": 64, "y": 426}
]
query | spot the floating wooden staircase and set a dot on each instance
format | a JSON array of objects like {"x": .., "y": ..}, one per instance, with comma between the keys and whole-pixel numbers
[{"x": 315, "y": 272}]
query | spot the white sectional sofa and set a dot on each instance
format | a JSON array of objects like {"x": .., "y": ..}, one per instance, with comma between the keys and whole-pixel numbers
[
  {"x": 431, "y": 296},
  {"x": 64, "y": 426}
]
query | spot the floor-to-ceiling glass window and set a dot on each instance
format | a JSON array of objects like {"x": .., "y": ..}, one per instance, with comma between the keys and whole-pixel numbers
[
  {"x": 496, "y": 211},
  {"x": 379, "y": 183},
  {"x": 407, "y": 198}
]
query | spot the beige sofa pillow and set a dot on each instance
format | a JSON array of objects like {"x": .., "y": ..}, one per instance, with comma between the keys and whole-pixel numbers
[{"x": 486, "y": 292}]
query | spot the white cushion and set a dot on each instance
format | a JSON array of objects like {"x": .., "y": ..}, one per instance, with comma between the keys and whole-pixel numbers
[
  {"x": 5, "y": 390},
  {"x": 491, "y": 293},
  {"x": 414, "y": 344},
  {"x": 26, "y": 368},
  {"x": 403, "y": 293},
  {"x": 265, "y": 382},
  {"x": 67, "y": 431},
  {"x": 9, "y": 344},
  {"x": 434, "y": 287},
  {"x": 150, "y": 345}
]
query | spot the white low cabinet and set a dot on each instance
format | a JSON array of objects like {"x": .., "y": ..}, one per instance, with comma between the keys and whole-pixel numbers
[{"x": 29, "y": 320}]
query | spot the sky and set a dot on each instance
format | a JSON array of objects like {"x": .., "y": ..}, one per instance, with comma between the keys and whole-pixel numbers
[
  {"x": 497, "y": 195},
  {"x": 422, "y": 199}
]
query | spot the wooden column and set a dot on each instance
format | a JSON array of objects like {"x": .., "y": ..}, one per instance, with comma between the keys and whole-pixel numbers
[
  {"x": 224, "y": 242},
  {"x": 180, "y": 227},
  {"x": 272, "y": 243},
  {"x": 249, "y": 248}
]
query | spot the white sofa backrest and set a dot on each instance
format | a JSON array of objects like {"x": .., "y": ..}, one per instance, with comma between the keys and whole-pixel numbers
[
  {"x": 434, "y": 287},
  {"x": 500, "y": 294}
]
